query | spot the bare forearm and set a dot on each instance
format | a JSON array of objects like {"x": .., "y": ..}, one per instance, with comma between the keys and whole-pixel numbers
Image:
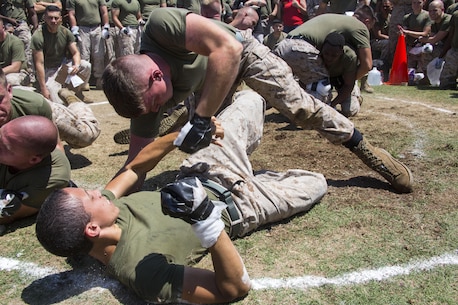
[{"x": 221, "y": 73}]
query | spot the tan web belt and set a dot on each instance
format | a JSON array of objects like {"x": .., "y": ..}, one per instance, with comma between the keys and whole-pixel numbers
[{"x": 225, "y": 195}]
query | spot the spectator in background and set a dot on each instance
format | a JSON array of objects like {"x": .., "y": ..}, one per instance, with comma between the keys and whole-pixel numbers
[
  {"x": 380, "y": 37},
  {"x": 51, "y": 45},
  {"x": 438, "y": 35},
  {"x": 147, "y": 6},
  {"x": 86, "y": 19},
  {"x": 276, "y": 36},
  {"x": 12, "y": 58},
  {"x": 292, "y": 13},
  {"x": 400, "y": 9},
  {"x": 128, "y": 19},
  {"x": 19, "y": 13},
  {"x": 450, "y": 55},
  {"x": 415, "y": 25},
  {"x": 40, "y": 7}
]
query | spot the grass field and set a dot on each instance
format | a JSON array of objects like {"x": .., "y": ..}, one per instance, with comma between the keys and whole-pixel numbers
[{"x": 362, "y": 244}]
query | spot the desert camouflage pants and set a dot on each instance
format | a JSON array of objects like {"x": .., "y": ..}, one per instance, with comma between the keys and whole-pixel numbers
[
  {"x": 76, "y": 123},
  {"x": 450, "y": 70},
  {"x": 308, "y": 67},
  {"x": 128, "y": 44},
  {"x": 261, "y": 198},
  {"x": 272, "y": 78},
  {"x": 92, "y": 48}
]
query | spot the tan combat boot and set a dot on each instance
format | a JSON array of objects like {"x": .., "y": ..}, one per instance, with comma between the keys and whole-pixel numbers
[
  {"x": 383, "y": 163},
  {"x": 365, "y": 86},
  {"x": 68, "y": 96}
]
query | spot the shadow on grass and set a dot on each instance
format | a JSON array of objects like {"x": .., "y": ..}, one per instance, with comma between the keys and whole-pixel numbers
[
  {"x": 77, "y": 161},
  {"x": 19, "y": 224},
  {"x": 87, "y": 274},
  {"x": 362, "y": 182}
]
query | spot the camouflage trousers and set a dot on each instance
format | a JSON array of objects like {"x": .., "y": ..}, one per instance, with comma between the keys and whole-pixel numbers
[
  {"x": 92, "y": 48},
  {"x": 76, "y": 123},
  {"x": 56, "y": 79},
  {"x": 261, "y": 198},
  {"x": 450, "y": 70},
  {"x": 308, "y": 67},
  {"x": 21, "y": 78},
  {"x": 128, "y": 44},
  {"x": 23, "y": 32},
  {"x": 272, "y": 78}
]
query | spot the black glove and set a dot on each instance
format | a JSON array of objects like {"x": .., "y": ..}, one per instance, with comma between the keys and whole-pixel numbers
[
  {"x": 186, "y": 199},
  {"x": 10, "y": 202},
  {"x": 195, "y": 135}
]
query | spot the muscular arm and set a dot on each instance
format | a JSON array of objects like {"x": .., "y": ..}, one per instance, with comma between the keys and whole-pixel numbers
[
  {"x": 76, "y": 57},
  {"x": 135, "y": 171},
  {"x": 365, "y": 62},
  {"x": 15, "y": 67},
  {"x": 39, "y": 62},
  {"x": 228, "y": 282},
  {"x": 104, "y": 14},
  {"x": 223, "y": 51},
  {"x": 72, "y": 18}
]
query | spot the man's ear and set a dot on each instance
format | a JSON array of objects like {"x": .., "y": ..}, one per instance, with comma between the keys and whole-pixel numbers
[
  {"x": 92, "y": 230},
  {"x": 35, "y": 159},
  {"x": 157, "y": 75}
]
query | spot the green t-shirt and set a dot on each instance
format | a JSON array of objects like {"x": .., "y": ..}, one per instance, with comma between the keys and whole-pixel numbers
[
  {"x": 153, "y": 249},
  {"x": 127, "y": 11},
  {"x": 316, "y": 29},
  {"x": 441, "y": 26},
  {"x": 147, "y": 6},
  {"x": 270, "y": 40},
  {"x": 11, "y": 50},
  {"x": 26, "y": 102},
  {"x": 16, "y": 9},
  {"x": 415, "y": 23},
  {"x": 52, "y": 173},
  {"x": 54, "y": 45},
  {"x": 87, "y": 12},
  {"x": 165, "y": 34},
  {"x": 348, "y": 63}
]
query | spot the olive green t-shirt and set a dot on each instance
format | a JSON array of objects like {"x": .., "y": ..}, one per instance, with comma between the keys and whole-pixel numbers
[
  {"x": 441, "y": 26},
  {"x": 127, "y": 11},
  {"x": 316, "y": 29},
  {"x": 52, "y": 173},
  {"x": 348, "y": 63},
  {"x": 54, "y": 45},
  {"x": 87, "y": 12},
  {"x": 26, "y": 102},
  {"x": 147, "y": 6},
  {"x": 16, "y": 9},
  {"x": 153, "y": 249},
  {"x": 415, "y": 23},
  {"x": 12, "y": 50}
]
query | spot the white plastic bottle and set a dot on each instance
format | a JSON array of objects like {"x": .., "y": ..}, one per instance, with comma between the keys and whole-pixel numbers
[{"x": 374, "y": 77}]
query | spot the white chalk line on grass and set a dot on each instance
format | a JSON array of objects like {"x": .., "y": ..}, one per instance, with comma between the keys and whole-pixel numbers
[
  {"x": 418, "y": 103},
  {"x": 357, "y": 277},
  {"x": 302, "y": 282}
]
